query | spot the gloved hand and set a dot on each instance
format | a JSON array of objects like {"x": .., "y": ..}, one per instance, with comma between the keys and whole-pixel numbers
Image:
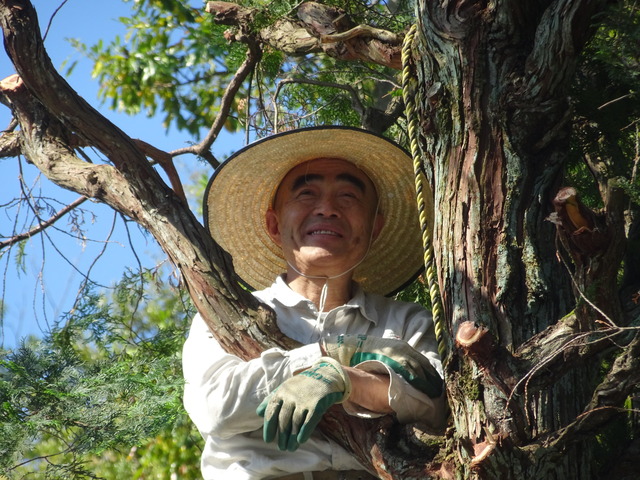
[
  {"x": 292, "y": 411},
  {"x": 350, "y": 350}
]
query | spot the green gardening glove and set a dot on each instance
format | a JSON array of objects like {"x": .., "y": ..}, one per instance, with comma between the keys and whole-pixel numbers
[
  {"x": 402, "y": 358},
  {"x": 292, "y": 411}
]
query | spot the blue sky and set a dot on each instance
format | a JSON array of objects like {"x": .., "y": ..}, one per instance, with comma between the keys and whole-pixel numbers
[{"x": 36, "y": 297}]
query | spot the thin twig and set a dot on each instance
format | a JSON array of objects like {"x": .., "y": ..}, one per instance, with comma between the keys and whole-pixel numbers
[
  {"x": 355, "y": 100},
  {"x": 43, "y": 224},
  {"x": 203, "y": 148},
  {"x": 57, "y": 10},
  {"x": 614, "y": 100}
]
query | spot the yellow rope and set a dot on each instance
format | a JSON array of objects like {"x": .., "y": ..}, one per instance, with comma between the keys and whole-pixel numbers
[{"x": 409, "y": 84}]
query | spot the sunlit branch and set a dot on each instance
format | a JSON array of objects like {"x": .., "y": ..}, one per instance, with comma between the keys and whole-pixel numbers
[{"x": 165, "y": 161}]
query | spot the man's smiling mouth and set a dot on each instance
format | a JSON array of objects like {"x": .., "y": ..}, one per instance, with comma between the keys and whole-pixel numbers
[{"x": 324, "y": 232}]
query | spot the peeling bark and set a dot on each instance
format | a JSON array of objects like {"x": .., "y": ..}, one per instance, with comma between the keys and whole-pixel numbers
[{"x": 495, "y": 134}]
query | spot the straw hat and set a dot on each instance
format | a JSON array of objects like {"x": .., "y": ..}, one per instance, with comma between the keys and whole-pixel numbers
[{"x": 242, "y": 189}]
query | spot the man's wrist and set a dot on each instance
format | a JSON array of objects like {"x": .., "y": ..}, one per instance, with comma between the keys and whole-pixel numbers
[{"x": 369, "y": 390}]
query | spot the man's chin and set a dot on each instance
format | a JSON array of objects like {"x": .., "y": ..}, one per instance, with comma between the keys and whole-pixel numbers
[{"x": 321, "y": 259}]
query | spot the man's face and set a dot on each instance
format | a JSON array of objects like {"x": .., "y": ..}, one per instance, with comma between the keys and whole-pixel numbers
[{"x": 324, "y": 216}]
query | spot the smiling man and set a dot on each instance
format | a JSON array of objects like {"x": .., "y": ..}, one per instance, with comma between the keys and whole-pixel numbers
[
  {"x": 324, "y": 218},
  {"x": 323, "y": 223}
]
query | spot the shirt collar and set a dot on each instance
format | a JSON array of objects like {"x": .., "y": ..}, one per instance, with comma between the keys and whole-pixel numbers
[{"x": 289, "y": 298}]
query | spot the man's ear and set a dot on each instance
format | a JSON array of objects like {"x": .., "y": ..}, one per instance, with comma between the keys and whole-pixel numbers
[
  {"x": 378, "y": 223},
  {"x": 273, "y": 228}
]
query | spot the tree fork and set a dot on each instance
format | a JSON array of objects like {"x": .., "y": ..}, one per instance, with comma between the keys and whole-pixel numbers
[
  {"x": 132, "y": 187},
  {"x": 319, "y": 28}
]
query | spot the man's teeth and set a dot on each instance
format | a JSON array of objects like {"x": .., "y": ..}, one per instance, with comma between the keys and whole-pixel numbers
[{"x": 323, "y": 232}]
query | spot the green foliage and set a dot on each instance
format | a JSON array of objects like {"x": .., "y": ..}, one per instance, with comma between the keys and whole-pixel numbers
[
  {"x": 175, "y": 453},
  {"x": 168, "y": 63},
  {"x": 632, "y": 189},
  {"x": 101, "y": 396},
  {"x": 20, "y": 256},
  {"x": 175, "y": 61},
  {"x": 378, "y": 14},
  {"x": 417, "y": 292},
  {"x": 607, "y": 104},
  {"x": 614, "y": 438}
]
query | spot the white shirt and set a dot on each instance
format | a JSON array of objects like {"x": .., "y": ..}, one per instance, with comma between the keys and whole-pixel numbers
[{"x": 222, "y": 391}]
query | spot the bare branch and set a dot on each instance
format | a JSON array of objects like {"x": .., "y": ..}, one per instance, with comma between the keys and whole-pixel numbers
[
  {"x": 42, "y": 225},
  {"x": 203, "y": 148}
]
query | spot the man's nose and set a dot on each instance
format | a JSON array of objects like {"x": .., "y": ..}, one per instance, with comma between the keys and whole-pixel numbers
[{"x": 326, "y": 206}]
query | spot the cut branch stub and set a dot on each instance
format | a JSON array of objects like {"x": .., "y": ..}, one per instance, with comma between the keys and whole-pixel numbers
[
  {"x": 582, "y": 228},
  {"x": 476, "y": 342}
]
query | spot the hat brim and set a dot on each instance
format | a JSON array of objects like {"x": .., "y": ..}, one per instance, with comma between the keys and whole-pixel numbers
[{"x": 241, "y": 190}]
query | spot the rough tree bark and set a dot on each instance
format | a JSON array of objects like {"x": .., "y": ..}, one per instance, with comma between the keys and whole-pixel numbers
[
  {"x": 495, "y": 113},
  {"x": 522, "y": 376}
]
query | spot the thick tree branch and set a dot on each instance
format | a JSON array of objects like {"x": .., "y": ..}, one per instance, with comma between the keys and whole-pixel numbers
[
  {"x": 363, "y": 31},
  {"x": 10, "y": 145},
  {"x": 47, "y": 108},
  {"x": 563, "y": 30},
  {"x": 24, "y": 46},
  {"x": 319, "y": 28}
]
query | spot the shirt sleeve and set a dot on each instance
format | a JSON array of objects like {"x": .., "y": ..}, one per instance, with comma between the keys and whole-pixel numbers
[
  {"x": 409, "y": 404},
  {"x": 413, "y": 324},
  {"x": 222, "y": 391}
]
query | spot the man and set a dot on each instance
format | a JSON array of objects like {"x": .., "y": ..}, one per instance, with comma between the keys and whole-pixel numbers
[{"x": 329, "y": 214}]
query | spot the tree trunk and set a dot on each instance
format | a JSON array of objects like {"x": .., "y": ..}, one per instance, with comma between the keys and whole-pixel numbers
[{"x": 494, "y": 113}]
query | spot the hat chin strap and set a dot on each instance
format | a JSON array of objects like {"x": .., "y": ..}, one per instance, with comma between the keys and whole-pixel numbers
[{"x": 325, "y": 287}]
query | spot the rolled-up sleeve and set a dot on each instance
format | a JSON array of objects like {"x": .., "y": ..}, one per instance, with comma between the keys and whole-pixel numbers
[
  {"x": 413, "y": 324},
  {"x": 409, "y": 404}
]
